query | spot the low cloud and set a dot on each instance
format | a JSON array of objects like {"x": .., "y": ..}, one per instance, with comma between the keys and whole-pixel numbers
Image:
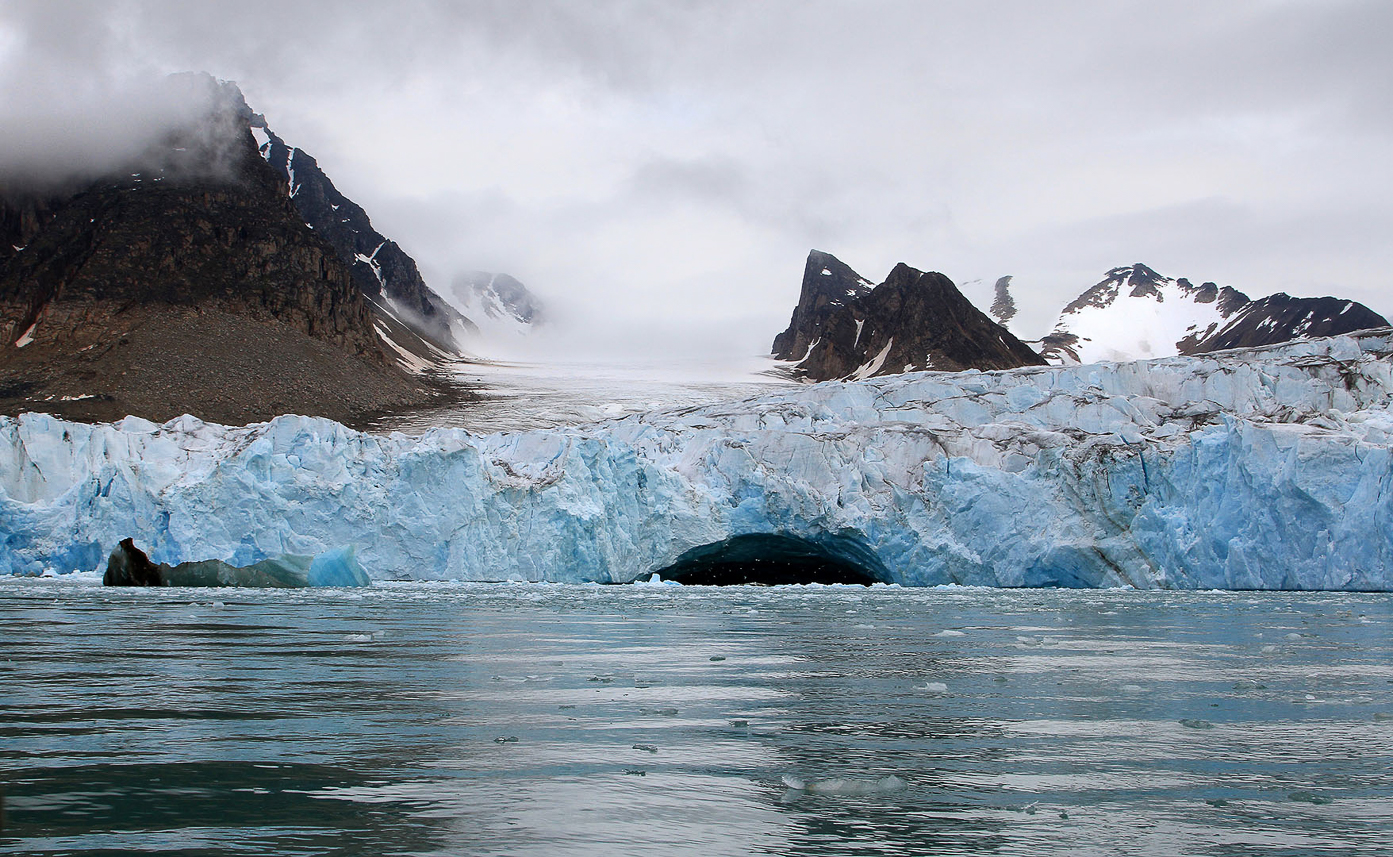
[
  {"x": 61, "y": 125},
  {"x": 666, "y": 167}
]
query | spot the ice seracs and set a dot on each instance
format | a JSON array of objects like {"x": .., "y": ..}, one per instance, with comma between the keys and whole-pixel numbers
[{"x": 1264, "y": 468}]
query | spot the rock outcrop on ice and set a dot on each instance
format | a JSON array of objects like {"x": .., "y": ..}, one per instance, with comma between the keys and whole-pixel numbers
[
  {"x": 1265, "y": 468},
  {"x": 912, "y": 321},
  {"x": 129, "y": 566},
  {"x": 1134, "y": 313}
]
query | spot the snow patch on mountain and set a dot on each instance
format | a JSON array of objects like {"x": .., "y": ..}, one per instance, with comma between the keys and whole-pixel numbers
[
  {"x": 1135, "y": 313},
  {"x": 501, "y": 306}
]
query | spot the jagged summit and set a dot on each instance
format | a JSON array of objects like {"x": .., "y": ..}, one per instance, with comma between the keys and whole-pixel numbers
[
  {"x": 828, "y": 283},
  {"x": 386, "y": 274},
  {"x": 1136, "y": 313},
  {"x": 912, "y": 321}
]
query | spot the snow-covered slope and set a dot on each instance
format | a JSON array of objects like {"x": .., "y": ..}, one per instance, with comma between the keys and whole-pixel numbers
[
  {"x": 501, "y": 307},
  {"x": 1267, "y": 468},
  {"x": 1135, "y": 313}
]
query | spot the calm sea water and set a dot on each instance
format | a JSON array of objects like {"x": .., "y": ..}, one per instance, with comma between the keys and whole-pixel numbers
[{"x": 548, "y": 719}]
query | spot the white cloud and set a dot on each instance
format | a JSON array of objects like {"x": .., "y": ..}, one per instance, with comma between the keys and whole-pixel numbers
[{"x": 667, "y": 166}]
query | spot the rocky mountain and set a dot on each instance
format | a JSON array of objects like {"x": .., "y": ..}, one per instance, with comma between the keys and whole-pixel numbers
[
  {"x": 188, "y": 282},
  {"x": 1135, "y": 313},
  {"x": 385, "y": 273},
  {"x": 1282, "y": 318},
  {"x": 828, "y": 284},
  {"x": 1003, "y": 307},
  {"x": 497, "y": 304},
  {"x": 912, "y": 321}
]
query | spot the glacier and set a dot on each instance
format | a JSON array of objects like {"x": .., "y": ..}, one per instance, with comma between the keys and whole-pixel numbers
[{"x": 1262, "y": 468}]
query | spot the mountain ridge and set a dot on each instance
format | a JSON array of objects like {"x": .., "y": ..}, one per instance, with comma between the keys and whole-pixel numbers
[
  {"x": 1136, "y": 313},
  {"x": 914, "y": 320}
]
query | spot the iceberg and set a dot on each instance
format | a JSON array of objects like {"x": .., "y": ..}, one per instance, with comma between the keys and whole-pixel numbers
[
  {"x": 129, "y": 566},
  {"x": 1263, "y": 468}
]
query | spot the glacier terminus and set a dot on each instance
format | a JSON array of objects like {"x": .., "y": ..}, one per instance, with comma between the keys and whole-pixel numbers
[{"x": 1264, "y": 468}]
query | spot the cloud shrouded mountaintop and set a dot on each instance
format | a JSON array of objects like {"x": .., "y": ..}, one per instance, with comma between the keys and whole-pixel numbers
[
  {"x": 186, "y": 280},
  {"x": 664, "y": 167}
]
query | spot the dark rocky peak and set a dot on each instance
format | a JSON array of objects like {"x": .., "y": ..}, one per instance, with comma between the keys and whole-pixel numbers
[
  {"x": 1142, "y": 281},
  {"x": 1137, "y": 280},
  {"x": 182, "y": 287},
  {"x": 828, "y": 283},
  {"x": 912, "y": 321},
  {"x": 1228, "y": 299},
  {"x": 1282, "y": 318},
  {"x": 384, "y": 272}
]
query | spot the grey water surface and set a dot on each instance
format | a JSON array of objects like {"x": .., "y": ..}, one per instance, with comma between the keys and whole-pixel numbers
[{"x": 547, "y": 719}]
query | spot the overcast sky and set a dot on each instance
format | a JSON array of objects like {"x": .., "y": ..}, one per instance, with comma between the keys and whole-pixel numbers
[{"x": 658, "y": 171}]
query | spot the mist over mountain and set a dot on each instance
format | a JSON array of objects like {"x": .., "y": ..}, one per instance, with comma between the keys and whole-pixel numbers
[
  {"x": 386, "y": 274},
  {"x": 585, "y": 149},
  {"x": 190, "y": 285}
]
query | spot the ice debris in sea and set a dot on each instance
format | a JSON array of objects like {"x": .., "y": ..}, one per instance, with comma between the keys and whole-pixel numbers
[{"x": 845, "y": 785}]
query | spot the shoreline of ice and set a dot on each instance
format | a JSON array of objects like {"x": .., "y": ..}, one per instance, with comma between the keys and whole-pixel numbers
[{"x": 1255, "y": 469}]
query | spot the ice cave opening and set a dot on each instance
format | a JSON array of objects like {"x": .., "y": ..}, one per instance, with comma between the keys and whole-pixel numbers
[{"x": 767, "y": 559}]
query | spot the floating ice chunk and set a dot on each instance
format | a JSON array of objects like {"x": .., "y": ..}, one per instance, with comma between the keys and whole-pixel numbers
[
  {"x": 949, "y": 633},
  {"x": 846, "y": 785},
  {"x": 129, "y": 566},
  {"x": 337, "y": 567},
  {"x": 935, "y": 687}
]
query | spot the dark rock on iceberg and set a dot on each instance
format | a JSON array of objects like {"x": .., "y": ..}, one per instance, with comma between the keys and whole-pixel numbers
[{"x": 129, "y": 566}]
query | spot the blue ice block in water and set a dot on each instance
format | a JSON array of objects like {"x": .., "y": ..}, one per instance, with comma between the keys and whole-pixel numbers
[
  {"x": 129, "y": 566},
  {"x": 337, "y": 567}
]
